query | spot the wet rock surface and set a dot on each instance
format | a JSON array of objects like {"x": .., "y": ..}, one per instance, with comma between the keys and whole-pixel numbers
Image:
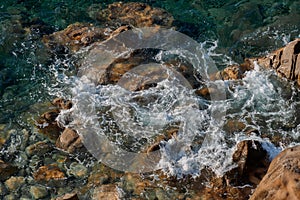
[
  {"x": 282, "y": 178},
  {"x": 285, "y": 61}
]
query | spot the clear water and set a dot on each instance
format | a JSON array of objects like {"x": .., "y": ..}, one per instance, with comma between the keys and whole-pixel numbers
[{"x": 227, "y": 32}]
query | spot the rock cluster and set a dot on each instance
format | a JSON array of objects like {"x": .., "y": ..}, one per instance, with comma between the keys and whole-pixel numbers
[
  {"x": 65, "y": 139},
  {"x": 251, "y": 159}
]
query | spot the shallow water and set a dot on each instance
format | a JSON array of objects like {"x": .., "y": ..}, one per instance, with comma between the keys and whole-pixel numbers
[{"x": 226, "y": 32}]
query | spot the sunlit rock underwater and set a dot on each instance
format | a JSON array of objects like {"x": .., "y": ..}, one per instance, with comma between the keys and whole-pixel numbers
[{"x": 149, "y": 99}]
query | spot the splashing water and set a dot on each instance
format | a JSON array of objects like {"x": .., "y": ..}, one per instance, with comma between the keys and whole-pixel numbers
[{"x": 119, "y": 123}]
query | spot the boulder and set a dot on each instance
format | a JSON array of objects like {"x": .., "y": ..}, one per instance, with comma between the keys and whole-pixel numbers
[
  {"x": 285, "y": 61},
  {"x": 282, "y": 180}
]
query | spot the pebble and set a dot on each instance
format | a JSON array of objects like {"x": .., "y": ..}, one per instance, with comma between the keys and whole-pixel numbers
[
  {"x": 6, "y": 170},
  {"x": 10, "y": 197},
  {"x": 78, "y": 170},
  {"x": 38, "y": 148},
  {"x": 49, "y": 172},
  {"x": 14, "y": 182},
  {"x": 38, "y": 192}
]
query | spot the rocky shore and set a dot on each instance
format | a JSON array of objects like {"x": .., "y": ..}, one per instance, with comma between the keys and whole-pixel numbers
[{"x": 53, "y": 163}]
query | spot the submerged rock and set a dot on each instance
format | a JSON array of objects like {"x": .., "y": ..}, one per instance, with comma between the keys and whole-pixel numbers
[
  {"x": 6, "y": 170},
  {"x": 38, "y": 192},
  {"x": 117, "y": 15},
  {"x": 282, "y": 179},
  {"x": 135, "y": 14},
  {"x": 69, "y": 140},
  {"x": 49, "y": 172},
  {"x": 38, "y": 148},
  {"x": 106, "y": 192},
  {"x": 74, "y": 37},
  {"x": 48, "y": 126},
  {"x": 14, "y": 182}
]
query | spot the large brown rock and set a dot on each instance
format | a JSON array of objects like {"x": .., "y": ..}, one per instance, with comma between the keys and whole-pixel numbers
[
  {"x": 286, "y": 61},
  {"x": 282, "y": 180}
]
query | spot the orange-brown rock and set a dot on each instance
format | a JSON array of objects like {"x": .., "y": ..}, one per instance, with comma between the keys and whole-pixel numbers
[
  {"x": 282, "y": 180},
  {"x": 69, "y": 140},
  {"x": 74, "y": 37},
  {"x": 135, "y": 14},
  {"x": 6, "y": 170},
  {"x": 286, "y": 61},
  {"x": 233, "y": 72},
  {"x": 62, "y": 103},
  {"x": 48, "y": 172}
]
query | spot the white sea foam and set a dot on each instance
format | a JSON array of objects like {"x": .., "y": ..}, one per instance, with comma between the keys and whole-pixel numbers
[{"x": 113, "y": 112}]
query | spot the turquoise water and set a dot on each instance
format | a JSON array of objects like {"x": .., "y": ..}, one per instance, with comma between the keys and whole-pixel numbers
[{"x": 30, "y": 76}]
